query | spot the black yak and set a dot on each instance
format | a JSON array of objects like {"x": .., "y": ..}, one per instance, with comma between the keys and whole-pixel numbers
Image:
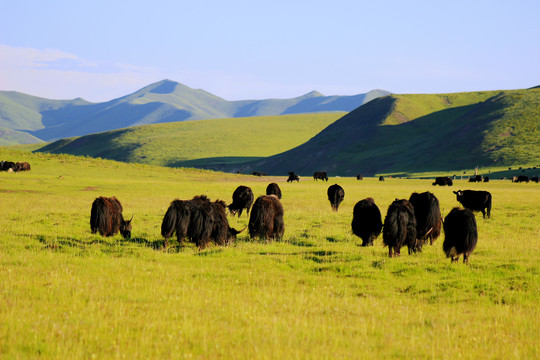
[
  {"x": 273, "y": 189},
  {"x": 266, "y": 220},
  {"x": 293, "y": 177},
  {"x": 359, "y": 177},
  {"x": 336, "y": 194},
  {"x": 381, "y": 178},
  {"x": 476, "y": 178},
  {"x": 460, "y": 234},
  {"x": 486, "y": 178},
  {"x": 399, "y": 227},
  {"x": 320, "y": 175},
  {"x": 428, "y": 217},
  {"x": 6, "y": 165},
  {"x": 475, "y": 200},
  {"x": 443, "y": 181},
  {"x": 198, "y": 219},
  {"x": 521, "y": 178},
  {"x": 106, "y": 217},
  {"x": 366, "y": 222},
  {"x": 534, "y": 179},
  {"x": 242, "y": 199}
]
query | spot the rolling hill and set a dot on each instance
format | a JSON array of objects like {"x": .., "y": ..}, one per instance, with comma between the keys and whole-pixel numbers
[
  {"x": 161, "y": 102},
  {"x": 415, "y": 133}
]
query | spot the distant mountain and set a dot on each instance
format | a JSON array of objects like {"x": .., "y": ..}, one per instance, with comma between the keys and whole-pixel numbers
[
  {"x": 391, "y": 134},
  {"x": 161, "y": 102}
]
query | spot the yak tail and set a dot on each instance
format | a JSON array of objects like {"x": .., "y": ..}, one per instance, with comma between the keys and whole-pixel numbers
[
  {"x": 169, "y": 223},
  {"x": 489, "y": 206},
  {"x": 391, "y": 228},
  {"x": 256, "y": 220}
]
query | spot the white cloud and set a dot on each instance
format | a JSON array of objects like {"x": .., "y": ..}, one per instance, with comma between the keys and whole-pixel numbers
[{"x": 56, "y": 74}]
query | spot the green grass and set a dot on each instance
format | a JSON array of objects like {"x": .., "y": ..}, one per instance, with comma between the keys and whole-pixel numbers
[
  {"x": 172, "y": 144},
  {"x": 66, "y": 293}
]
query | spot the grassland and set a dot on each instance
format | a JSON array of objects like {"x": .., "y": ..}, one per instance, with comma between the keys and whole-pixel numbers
[{"x": 66, "y": 293}]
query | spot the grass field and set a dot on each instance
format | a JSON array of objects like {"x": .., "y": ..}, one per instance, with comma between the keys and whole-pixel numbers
[{"x": 66, "y": 293}]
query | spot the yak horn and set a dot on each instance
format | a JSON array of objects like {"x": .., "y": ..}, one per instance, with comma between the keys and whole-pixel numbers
[
  {"x": 131, "y": 218},
  {"x": 428, "y": 231},
  {"x": 236, "y": 232}
]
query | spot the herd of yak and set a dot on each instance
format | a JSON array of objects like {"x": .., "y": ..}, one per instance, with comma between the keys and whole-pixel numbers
[
  {"x": 410, "y": 223},
  {"x": 14, "y": 167}
]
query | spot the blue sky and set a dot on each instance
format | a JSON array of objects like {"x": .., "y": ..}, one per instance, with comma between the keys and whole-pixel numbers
[{"x": 100, "y": 50}]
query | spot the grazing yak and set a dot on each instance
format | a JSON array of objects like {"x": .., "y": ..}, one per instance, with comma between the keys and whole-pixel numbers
[
  {"x": 359, "y": 177},
  {"x": 106, "y": 217},
  {"x": 336, "y": 194},
  {"x": 443, "y": 181},
  {"x": 293, "y": 177},
  {"x": 242, "y": 199},
  {"x": 367, "y": 221},
  {"x": 520, "y": 178},
  {"x": 460, "y": 234},
  {"x": 476, "y": 178},
  {"x": 320, "y": 175},
  {"x": 6, "y": 165},
  {"x": 266, "y": 220},
  {"x": 428, "y": 217},
  {"x": 534, "y": 179},
  {"x": 22, "y": 166},
  {"x": 273, "y": 189},
  {"x": 486, "y": 178},
  {"x": 198, "y": 219},
  {"x": 381, "y": 178},
  {"x": 475, "y": 200},
  {"x": 399, "y": 227}
]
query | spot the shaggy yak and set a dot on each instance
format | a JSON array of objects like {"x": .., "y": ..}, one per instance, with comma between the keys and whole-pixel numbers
[
  {"x": 475, "y": 200},
  {"x": 106, "y": 217},
  {"x": 443, "y": 181},
  {"x": 273, "y": 189},
  {"x": 460, "y": 234},
  {"x": 293, "y": 177},
  {"x": 199, "y": 220},
  {"x": 320, "y": 175},
  {"x": 22, "y": 166},
  {"x": 266, "y": 220},
  {"x": 242, "y": 199},
  {"x": 428, "y": 218},
  {"x": 399, "y": 227},
  {"x": 336, "y": 194},
  {"x": 366, "y": 223},
  {"x": 381, "y": 178}
]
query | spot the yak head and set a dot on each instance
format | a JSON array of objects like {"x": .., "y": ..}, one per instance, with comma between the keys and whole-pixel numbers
[
  {"x": 458, "y": 193},
  {"x": 232, "y": 232},
  {"x": 125, "y": 228}
]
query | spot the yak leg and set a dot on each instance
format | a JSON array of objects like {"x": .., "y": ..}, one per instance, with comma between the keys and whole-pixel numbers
[{"x": 390, "y": 251}]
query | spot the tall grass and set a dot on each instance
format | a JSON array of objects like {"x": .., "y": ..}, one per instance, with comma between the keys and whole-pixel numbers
[{"x": 66, "y": 293}]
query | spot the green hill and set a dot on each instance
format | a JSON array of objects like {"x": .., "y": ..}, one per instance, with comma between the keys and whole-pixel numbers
[
  {"x": 418, "y": 133},
  {"x": 198, "y": 143},
  {"x": 14, "y": 137},
  {"x": 162, "y": 102}
]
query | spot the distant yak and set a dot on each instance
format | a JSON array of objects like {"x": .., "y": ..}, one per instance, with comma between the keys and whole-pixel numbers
[
  {"x": 367, "y": 222},
  {"x": 293, "y": 177},
  {"x": 199, "y": 220},
  {"x": 21, "y": 166},
  {"x": 273, "y": 189},
  {"x": 336, "y": 194},
  {"x": 266, "y": 220},
  {"x": 359, "y": 177},
  {"x": 320, "y": 175},
  {"x": 475, "y": 201},
  {"x": 106, "y": 217},
  {"x": 428, "y": 218},
  {"x": 443, "y": 181},
  {"x": 476, "y": 178},
  {"x": 6, "y": 165},
  {"x": 520, "y": 178},
  {"x": 399, "y": 227},
  {"x": 242, "y": 199},
  {"x": 460, "y": 234},
  {"x": 381, "y": 178}
]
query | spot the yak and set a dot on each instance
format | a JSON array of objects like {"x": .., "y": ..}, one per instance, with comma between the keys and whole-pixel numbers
[
  {"x": 428, "y": 217},
  {"x": 359, "y": 177},
  {"x": 266, "y": 220},
  {"x": 366, "y": 222},
  {"x": 273, "y": 189},
  {"x": 381, "y": 178},
  {"x": 336, "y": 194},
  {"x": 242, "y": 199},
  {"x": 460, "y": 234},
  {"x": 443, "y": 181},
  {"x": 106, "y": 217},
  {"x": 293, "y": 177},
  {"x": 475, "y": 200},
  {"x": 486, "y": 178},
  {"x": 320, "y": 175},
  {"x": 399, "y": 227},
  {"x": 534, "y": 179},
  {"x": 6, "y": 165},
  {"x": 520, "y": 178},
  {"x": 476, "y": 178},
  {"x": 198, "y": 219},
  {"x": 21, "y": 166}
]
